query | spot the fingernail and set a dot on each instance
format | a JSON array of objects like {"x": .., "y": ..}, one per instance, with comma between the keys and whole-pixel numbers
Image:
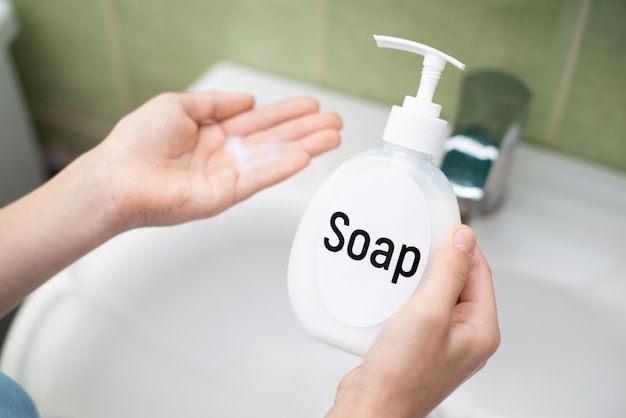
[{"x": 465, "y": 240}]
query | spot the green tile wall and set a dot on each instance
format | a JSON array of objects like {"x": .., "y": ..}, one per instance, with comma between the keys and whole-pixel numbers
[
  {"x": 85, "y": 63},
  {"x": 594, "y": 121}
]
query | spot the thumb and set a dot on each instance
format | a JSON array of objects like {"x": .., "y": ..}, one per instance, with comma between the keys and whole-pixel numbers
[{"x": 451, "y": 264}]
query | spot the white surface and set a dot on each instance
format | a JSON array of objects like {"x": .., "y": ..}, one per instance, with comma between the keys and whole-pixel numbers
[
  {"x": 194, "y": 320},
  {"x": 557, "y": 250},
  {"x": 371, "y": 193}
]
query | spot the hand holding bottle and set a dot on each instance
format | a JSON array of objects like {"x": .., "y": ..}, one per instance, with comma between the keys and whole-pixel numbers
[{"x": 442, "y": 336}]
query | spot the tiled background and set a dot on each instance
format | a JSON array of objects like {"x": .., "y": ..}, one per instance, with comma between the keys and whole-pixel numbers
[{"x": 85, "y": 63}]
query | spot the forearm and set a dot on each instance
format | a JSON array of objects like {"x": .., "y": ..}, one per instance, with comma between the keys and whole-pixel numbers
[{"x": 48, "y": 229}]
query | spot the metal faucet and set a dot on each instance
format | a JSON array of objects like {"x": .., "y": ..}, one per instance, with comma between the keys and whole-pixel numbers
[{"x": 477, "y": 156}]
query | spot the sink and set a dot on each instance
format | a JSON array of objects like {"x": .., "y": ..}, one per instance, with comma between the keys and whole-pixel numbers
[
  {"x": 560, "y": 357},
  {"x": 194, "y": 320},
  {"x": 559, "y": 274}
]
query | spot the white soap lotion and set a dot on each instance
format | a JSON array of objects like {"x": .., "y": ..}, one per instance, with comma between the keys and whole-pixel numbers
[{"x": 364, "y": 244}]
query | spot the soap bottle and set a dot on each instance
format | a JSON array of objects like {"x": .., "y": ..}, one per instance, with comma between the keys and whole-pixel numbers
[{"x": 363, "y": 245}]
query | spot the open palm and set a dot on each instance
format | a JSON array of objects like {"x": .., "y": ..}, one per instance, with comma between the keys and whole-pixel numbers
[{"x": 176, "y": 158}]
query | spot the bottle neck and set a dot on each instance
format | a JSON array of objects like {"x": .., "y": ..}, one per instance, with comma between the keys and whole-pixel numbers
[{"x": 406, "y": 153}]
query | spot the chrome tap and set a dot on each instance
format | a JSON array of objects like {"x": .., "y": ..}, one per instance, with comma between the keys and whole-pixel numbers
[{"x": 477, "y": 156}]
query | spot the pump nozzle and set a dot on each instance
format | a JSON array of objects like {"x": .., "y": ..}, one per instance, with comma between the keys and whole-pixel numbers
[
  {"x": 434, "y": 62},
  {"x": 418, "y": 116}
]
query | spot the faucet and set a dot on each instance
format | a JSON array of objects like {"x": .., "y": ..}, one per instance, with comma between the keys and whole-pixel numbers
[{"x": 477, "y": 155}]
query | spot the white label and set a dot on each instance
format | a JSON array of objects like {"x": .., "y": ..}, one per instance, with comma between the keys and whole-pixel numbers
[{"x": 373, "y": 248}]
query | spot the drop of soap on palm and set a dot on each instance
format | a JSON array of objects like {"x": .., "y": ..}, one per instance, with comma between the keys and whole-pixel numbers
[{"x": 247, "y": 157}]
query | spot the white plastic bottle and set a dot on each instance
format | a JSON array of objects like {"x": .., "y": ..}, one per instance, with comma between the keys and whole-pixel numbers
[{"x": 364, "y": 243}]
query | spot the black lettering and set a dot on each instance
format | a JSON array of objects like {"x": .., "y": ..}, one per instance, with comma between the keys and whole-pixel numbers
[
  {"x": 399, "y": 267},
  {"x": 381, "y": 253},
  {"x": 381, "y": 257},
  {"x": 335, "y": 228},
  {"x": 364, "y": 248}
]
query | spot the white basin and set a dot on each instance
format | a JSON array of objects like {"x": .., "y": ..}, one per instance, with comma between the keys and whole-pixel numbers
[
  {"x": 557, "y": 255},
  {"x": 194, "y": 320}
]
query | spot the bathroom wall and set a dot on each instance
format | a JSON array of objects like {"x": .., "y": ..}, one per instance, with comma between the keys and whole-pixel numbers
[{"x": 85, "y": 63}]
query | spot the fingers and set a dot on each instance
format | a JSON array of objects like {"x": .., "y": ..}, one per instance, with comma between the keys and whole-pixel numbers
[
  {"x": 212, "y": 105},
  {"x": 477, "y": 315},
  {"x": 286, "y": 161},
  {"x": 266, "y": 117},
  {"x": 269, "y": 174},
  {"x": 296, "y": 128},
  {"x": 280, "y": 140},
  {"x": 320, "y": 141},
  {"x": 479, "y": 286},
  {"x": 451, "y": 265}
]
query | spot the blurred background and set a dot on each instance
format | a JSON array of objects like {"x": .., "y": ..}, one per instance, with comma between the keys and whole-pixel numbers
[{"x": 85, "y": 63}]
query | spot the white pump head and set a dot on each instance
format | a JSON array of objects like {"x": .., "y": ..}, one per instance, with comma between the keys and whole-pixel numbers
[{"x": 416, "y": 125}]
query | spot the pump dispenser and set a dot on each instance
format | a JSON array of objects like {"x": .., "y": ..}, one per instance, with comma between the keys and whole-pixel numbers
[
  {"x": 416, "y": 125},
  {"x": 363, "y": 246}
]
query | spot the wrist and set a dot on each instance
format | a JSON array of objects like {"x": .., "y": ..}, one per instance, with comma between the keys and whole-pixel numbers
[
  {"x": 84, "y": 188},
  {"x": 352, "y": 402},
  {"x": 51, "y": 227}
]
